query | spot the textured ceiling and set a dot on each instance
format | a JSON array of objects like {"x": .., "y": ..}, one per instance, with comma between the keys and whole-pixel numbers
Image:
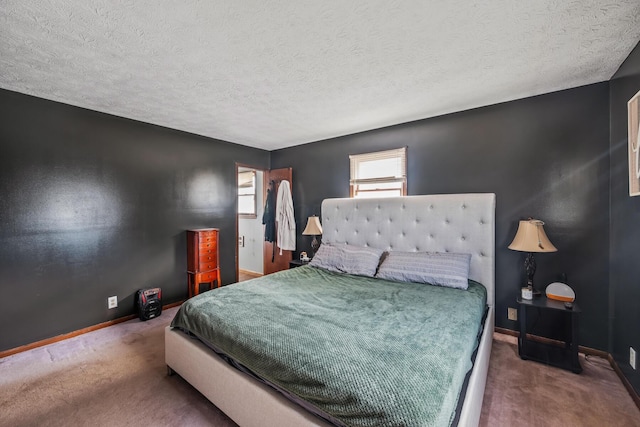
[{"x": 272, "y": 74}]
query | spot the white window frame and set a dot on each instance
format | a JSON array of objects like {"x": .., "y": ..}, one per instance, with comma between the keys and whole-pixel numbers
[
  {"x": 383, "y": 185},
  {"x": 247, "y": 190}
]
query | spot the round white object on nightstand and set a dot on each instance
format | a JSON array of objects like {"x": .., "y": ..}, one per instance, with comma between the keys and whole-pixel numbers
[{"x": 560, "y": 292}]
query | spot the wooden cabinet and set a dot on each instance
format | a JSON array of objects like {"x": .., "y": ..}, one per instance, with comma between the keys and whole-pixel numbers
[{"x": 203, "y": 262}]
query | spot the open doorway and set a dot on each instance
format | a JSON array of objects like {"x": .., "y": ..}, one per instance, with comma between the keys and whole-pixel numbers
[{"x": 250, "y": 230}]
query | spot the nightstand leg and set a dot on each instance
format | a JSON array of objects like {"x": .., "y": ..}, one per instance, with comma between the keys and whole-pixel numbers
[
  {"x": 575, "y": 360},
  {"x": 522, "y": 339}
]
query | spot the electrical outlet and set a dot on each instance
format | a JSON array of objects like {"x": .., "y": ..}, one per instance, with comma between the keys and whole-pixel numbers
[
  {"x": 512, "y": 314},
  {"x": 632, "y": 357},
  {"x": 241, "y": 241},
  {"x": 112, "y": 302}
]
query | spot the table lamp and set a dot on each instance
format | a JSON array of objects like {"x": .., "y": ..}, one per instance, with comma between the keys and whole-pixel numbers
[
  {"x": 531, "y": 238},
  {"x": 314, "y": 229}
]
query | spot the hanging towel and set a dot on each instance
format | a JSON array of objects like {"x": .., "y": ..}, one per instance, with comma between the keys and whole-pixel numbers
[
  {"x": 269, "y": 219},
  {"x": 269, "y": 215},
  {"x": 285, "y": 219}
]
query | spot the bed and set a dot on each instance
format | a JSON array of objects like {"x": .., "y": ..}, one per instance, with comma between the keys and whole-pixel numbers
[{"x": 446, "y": 224}]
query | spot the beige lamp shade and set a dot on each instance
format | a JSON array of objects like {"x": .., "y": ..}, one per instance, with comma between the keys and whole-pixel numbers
[
  {"x": 313, "y": 227},
  {"x": 531, "y": 237}
]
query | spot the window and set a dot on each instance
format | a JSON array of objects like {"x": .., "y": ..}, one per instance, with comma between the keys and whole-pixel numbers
[
  {"x": 247, "y": 194},
  {"x": 380, "y": 174}
]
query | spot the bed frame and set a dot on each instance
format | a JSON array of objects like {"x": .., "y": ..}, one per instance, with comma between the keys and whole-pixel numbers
[{"x": 459, "y": 223}]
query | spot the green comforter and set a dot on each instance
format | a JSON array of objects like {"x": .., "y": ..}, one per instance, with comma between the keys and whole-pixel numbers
[{"x": 367, "y": 352}]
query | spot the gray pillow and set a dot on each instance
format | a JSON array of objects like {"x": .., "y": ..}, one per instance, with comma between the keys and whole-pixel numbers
[
  {"x": 343, "y": 258},
  {"x": 437, "y": 268}
]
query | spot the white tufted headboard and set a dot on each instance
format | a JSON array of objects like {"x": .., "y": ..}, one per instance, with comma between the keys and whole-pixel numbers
[{"x": 460, "y": 223}]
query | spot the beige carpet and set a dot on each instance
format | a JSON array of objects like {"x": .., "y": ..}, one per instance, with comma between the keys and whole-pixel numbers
[
  {"x": 117, "y": 377},
  {"x": 526, "y": 393},
  {"x": 111, "y": 377}
]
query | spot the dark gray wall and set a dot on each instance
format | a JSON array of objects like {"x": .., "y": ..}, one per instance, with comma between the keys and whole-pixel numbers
[
  {"x": 93, "y": 205},
  {"x": 625, "y": 226},
  {"x": 545, "y": 157}
]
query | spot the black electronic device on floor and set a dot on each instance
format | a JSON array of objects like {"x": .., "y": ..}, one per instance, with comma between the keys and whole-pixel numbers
[{"x": 149, "y": 303}]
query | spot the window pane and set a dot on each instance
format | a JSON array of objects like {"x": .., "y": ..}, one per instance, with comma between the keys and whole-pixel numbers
[
  {"x": 247, "y": 205},
  {"x": 246, "y": 191},
  {"x": 379, "y": 193},
  {"x": 246, "y": 179},
  {"x": 380, "y": 186},
  {"x": 378, "y": 189},
  {"x": 247, "y": 183},
  {"x": 379, "y": 168},
  {"x": 379, "y": 174}
]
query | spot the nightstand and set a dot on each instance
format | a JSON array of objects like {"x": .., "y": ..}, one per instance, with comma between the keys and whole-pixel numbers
[
  {"x": 562, "y": 351},
  {"x": 297, "y": 263}
]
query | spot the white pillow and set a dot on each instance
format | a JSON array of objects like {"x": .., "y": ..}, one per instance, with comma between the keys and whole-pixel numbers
[{"x": 437, "y": 268}]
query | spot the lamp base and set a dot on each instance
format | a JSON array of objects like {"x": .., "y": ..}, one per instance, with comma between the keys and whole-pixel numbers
[
  {"x": 530, "y": 268},
  {"x": 314, "y": 246},
  {"x": 535, "y": 292}
]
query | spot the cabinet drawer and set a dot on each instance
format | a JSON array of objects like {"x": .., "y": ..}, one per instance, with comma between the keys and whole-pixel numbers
[
  {"x": 207, "y": 252},
  {"x": 208, "y": 258},
  {"x": 207, "y": 235},
  {"x": 206, "y": 266},
  {"x": 207, "y": 245},
  {"x": 207, "y": 239},
  {"x": 209, "y": 276}
]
